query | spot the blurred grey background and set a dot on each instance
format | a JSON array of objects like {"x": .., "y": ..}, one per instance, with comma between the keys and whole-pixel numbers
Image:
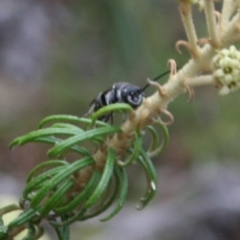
[{"x": 57, "y": 55}]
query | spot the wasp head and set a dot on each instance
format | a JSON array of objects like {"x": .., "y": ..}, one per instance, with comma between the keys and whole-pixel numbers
[{"x": 130, "y": 94}]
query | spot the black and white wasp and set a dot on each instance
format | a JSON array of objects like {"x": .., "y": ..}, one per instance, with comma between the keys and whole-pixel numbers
[{"x": 121, "y": 92}]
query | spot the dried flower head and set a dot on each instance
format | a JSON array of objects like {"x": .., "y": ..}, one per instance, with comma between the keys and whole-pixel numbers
[{"x": 226, "y": 69}]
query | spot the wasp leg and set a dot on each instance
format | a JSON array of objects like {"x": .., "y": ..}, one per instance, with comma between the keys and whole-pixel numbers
[
  {"x": 105, "y": 118},
  {"x": 111, "y": 117}
]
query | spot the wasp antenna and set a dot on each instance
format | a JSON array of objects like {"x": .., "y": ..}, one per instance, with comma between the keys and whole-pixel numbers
[
  {"x": 155, "y": 79},
  {"x": 161, "y": 75},
  {"x": 158, "y": 77}
]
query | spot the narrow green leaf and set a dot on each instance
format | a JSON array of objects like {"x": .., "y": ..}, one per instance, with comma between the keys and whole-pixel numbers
[
  {"x": 66, "y": 125},
  {"x": 104, "y": 203},
  {"x": 110, "y": 108},
  {"x": 8, "y": 209},
  {"x": 164, "y": 143},
  {"x": 155, "y": 138},
  {"x": 121, "y": 174},
  {"x": 70, "y": 118},
  {"x": 31, "y": 232},
  {"x": 56, "y": 197},
  {"x": 63, "y": 233},
  {"x": 134, "y": 154},
  {"x": 47, "y": 164},
  {"x": 58, "y": 178},
  {"x": 40, "y": 232},
  {"x": 151, "y": 176},
  {"x": 69, "y": 220},
  {"x": 39, "y": 181},
  {"x": 81, "y": 215},
  {"x": 3, "y": 236},
  {"x": 103, "y": 183},
  {"x": 3, "y": 230},
  {"x": 82, "y": 197},
  {"x": 3, "y": 233},
  {"x": 24, "y": 217},
  {"x": 53, "y": 140},
  {"x": 43, "y": 133},
  {"x": 88, "y": 135}
]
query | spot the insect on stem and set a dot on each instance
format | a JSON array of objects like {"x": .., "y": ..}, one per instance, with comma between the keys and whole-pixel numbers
[{"x": 121, "y": 92}]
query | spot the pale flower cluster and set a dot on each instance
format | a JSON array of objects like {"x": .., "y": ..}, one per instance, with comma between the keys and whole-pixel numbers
[{"x": 226, "y": 69}]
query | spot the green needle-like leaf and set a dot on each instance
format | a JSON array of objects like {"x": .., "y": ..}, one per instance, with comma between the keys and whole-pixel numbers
[
  {"x": 151, "y": 175},
  {"x": 3, "y": 230},
  {"x": 39, "y": 181},
  {"x": 1, "y": 221},
  {"x": 44, "y": 165},
  {"x": 110, "y": 108},
  {"x": 43, "y": 133},
  {"x": 70, "y": 118},
  {"x": 91, "y": 134},
  {"x": 69, "y": 220},
  {"x": 82, "y": 197},
  {"x": 61, "y": 176},
  {"x": 53, "y": 140},
  {"x": 134, "y": 154},
  {"x": 3, "y": 235},
  {"x": 40, "y": 232},
  {"x": 66, "y": 125},
  {"x": 155, "y": 138},
  {"x": 25, "y": 217},
  {"x": 8, "y": 209},
  {"x": 104, "y": 203},
  {"x": 164, "y": 143},
  {"x": 121, "y": 174},
  {"x": 31, "y": 232},
  {"x": 103, "y": 183},
  {"x": 56, "y": 197},
  {"x": 63, "y": 233}
]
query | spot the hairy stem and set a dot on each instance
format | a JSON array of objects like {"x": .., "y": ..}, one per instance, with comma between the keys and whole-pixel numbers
[
  {"x": 186, "y": 15},
  {"x": 229, "y": 6},
  {"x": 211, "y": 23}
]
